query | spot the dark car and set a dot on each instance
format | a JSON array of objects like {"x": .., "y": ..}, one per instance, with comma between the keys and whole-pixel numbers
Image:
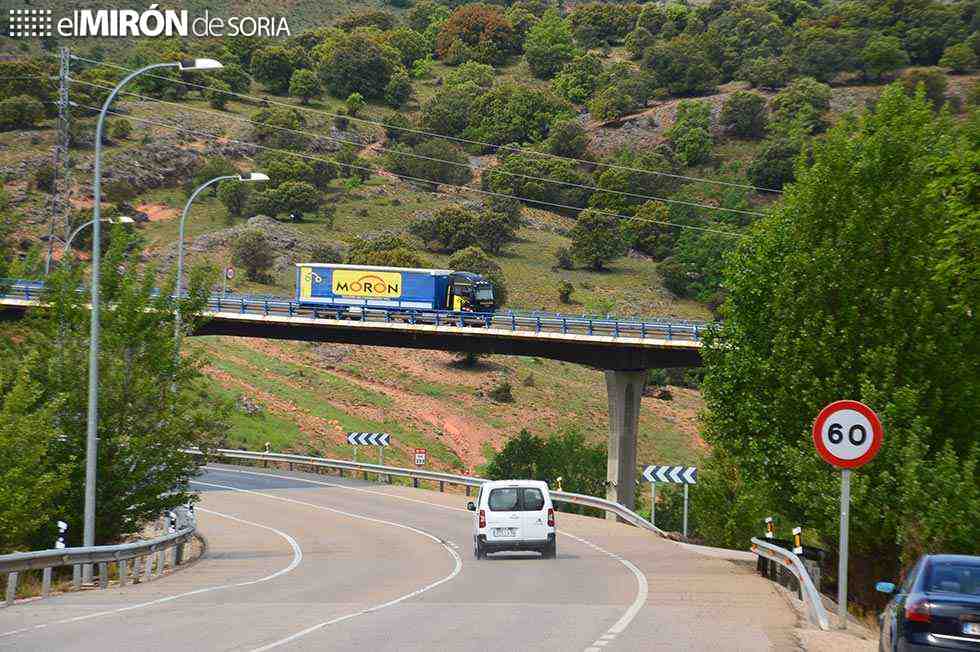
[{"x": 936, "y": 608}]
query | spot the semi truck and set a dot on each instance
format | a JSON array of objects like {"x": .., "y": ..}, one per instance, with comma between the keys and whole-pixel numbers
[{"x": 392, "y": 288}]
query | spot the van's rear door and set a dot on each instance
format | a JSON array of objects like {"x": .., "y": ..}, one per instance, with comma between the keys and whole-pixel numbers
[
  {"x": 504, "y": 522},
  {"x": 534, "y": 515}
]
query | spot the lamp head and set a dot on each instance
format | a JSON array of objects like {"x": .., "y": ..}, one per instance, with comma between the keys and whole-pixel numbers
[
  {"x": 253, "y": 176},
  {"x": 123, "y": 219},
  {"x": 199, "y": 64}
]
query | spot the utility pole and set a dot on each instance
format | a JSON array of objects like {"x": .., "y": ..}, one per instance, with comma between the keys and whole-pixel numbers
[{"x": 61, "y": 190}]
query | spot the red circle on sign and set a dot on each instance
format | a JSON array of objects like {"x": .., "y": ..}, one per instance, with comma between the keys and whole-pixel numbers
[{"x": 877, "y": 434}]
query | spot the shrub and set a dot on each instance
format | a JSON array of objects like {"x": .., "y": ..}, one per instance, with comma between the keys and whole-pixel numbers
[
  {"x": 565, "y": 290},
  {"x": 289, "y": 120},
  {"x": 410, "y": 44},
  {"x": 578, "y": 79},
  {"x": 482, "y": 28},
  {"x": 325, "y": 252},
  {"x": 882, "y": 55},
  {"x": 358, "y": 64},
  {"x": 253, "y": 252},
  {"x": 399, "y": 89},
  {"x": 449, "y": 111},
  {"x": 20, "y": 112},
  {"x": 355, "y": 102},
  {"x": 478, "y": 73},
  {"x": 563, "y": 258},
  {"x": 217, "y": 94},
  {"x": 120, "y": 129},
  {"x": 44, "y": 177},
  {"x": 435, "y": 160},
  {"x": 959, "y": 58},
  {"x": 596, "y": 239},
  {"x": 611, "y": 102},
  {"x": 504, "y": 178},
  {"x": 273, "y": 67},
  {"x": 690, "y": 135},
  {"x": 650, "y": 230},
  {"x": 932, "y": 79},
  {"x": 502, "y": 392},
  {"x": 765, "y": 72},
  {"x": 773, "y": 167},
  {"x": 510, "y": 113},
  {"x": 596, "y": 24},
  {"x": 386, "y": 249},
  {"x": 297, "y": 198},
  {"x": 744, "y": 114},
  {"x": 801, "y": 106}
]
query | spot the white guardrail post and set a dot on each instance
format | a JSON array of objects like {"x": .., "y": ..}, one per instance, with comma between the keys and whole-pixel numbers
[{"x": 786, "y": 558}]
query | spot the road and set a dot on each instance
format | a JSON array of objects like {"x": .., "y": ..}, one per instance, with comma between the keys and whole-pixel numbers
[{"x": 305, "y": 562}]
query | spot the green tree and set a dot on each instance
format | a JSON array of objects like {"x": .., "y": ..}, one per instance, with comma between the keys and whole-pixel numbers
[
  {"x": 549, "y": 45},
  {"x": 252, "y": 251},
  {"x": 765, "y": 72},
  {"x": 473, "y": 259},
  {"x": 511, "y": 113},
  {"x": 289, "y": 122},
  {"x": 932, "y": 79},
  {"x": 596, "y": 23},
  {"x": 959, "y": 58},
  {"x": 690, "y": 134},
  {"x": 567, "y": 455},
  {"x": 235, "y": 76},
  {"x": 120, "y": 129},
  {"x": 813, "y": 315},
  {"x": 744, "y": 114},
  {"x": 448, "y": 112},
  {"x": 217, "y": 94},
  {"x": 882, "y": 55},
  {"x": 801, "y": 106},
  {"x": 481, "y": 74},
  {"x": 577, "y": 80},
  {"x": 483, "y": 29},
  {"x": 629, "y": 177},
  {"x": 539, "y": 180},
  {"x": 273, "y": 67},
  {"x": 774, "y": 165},
  {"x": 298, "y": 197},
  {"x": 151, "y": 402},
  {"x": 234, "y": 196},
  {"x": 305, "y": 85},
  {"x": 386, "y": 249},
  {"x": 399, "y": 91},
  {"x": 650, "y": 230},
  {"x": 681, "y": 66},
  {"x": 435, "y": 160},
  {"x": 596, "y": 239},
  {"x": 358, "y": 64},
  {"x": 411, "y": 45}
]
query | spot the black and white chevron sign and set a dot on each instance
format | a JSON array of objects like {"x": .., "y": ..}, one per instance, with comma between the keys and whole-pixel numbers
[
  {"x": 368, "y": 438},
  {"x": 675, "y": 474}
]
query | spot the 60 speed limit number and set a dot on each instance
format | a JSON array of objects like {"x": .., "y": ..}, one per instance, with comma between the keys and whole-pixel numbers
[{"x": 847, "y": 434}]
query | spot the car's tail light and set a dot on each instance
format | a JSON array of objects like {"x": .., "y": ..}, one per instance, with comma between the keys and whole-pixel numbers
[
  {"x": 917, "y": 611},
  {"x": 483, "y": 518},
  {"x": 551, "y": 517}
]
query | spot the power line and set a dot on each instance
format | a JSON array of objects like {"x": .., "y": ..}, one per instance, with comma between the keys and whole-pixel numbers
[
  {"x": 430, "y": 158},
  {"x": 457, "y": 139},
  {"x": 418, "y": 179}
]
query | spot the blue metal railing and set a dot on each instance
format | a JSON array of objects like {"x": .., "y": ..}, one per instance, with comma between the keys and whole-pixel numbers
[{"x": 514, "y": 320}]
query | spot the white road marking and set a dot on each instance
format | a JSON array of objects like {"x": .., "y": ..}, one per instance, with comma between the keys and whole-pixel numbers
[
  {"x": 297, "y": 558},
  {"x": 643, "y": 588},
  {"x": 458, "y": 562}
]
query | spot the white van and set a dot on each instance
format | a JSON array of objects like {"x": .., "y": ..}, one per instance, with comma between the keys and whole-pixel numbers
[{"x": 513, "y": 515}]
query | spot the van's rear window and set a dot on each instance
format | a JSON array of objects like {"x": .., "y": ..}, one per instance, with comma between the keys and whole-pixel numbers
[
  {"x": 503, "y": 500},
  {"x": 533, "y": 500}
]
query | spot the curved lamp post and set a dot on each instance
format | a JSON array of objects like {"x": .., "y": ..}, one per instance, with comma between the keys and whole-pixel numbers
[
  {"x": 247, "y": 176},
  {"x": 67, "y": 243},
  {"x": 91, "y": 439}
]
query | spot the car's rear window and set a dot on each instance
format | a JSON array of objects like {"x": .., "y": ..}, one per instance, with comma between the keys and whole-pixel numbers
[
  {"x": 533, "y": 500},
  {"x": 960, "y": 577},
  {"x": 503, "y": 500}
]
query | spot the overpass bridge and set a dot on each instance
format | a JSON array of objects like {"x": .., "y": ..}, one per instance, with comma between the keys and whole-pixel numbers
[{"x": 623, "y": 348}]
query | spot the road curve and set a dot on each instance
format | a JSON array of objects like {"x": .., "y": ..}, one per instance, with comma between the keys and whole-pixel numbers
[{"x": 306, "y": 562}]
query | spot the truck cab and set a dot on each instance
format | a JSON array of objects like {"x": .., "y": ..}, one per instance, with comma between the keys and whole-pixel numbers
[{"x": 470, "y": 292}]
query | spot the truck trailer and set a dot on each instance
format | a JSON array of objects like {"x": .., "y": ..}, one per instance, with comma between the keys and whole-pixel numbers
[{"x": 392, "y": 288}]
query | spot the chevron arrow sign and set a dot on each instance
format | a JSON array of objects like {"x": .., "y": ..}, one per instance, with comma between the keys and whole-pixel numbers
[
  {"x": 675, "y": 474},
  {"x": 368, "y": 438}
]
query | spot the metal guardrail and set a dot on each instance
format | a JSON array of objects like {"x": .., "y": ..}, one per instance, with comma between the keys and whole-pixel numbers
[
  {"x": 786, "y": 558},
  {"x": 153, "y": 552},
  {"x": 525, "y": 321},
  {"x": 624, "y": 513}
]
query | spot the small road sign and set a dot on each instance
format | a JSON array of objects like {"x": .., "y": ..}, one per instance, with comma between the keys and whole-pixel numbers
[
  {"x": 420, "y": 456},
  {"x": 847, "y": 434},
  {"x": 368, "y": 438},
  {"x": 230, "y": 273},
  {"x": 675, "y": 474}
]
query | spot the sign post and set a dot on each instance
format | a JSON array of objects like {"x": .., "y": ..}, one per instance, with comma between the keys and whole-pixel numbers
[
  {"x": 685, "y": 475},
  {"x": 847, "y": 435}
]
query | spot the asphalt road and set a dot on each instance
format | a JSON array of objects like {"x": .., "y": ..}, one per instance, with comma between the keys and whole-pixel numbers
[{"x": 305, "y": 562}]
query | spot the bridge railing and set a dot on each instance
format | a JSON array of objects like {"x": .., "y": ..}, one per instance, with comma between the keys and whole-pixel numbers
[
  {"x": 526, "y": 321},
  {"x": 808, "y": 591},
  {"x": 468, "y": 481},
  {"x": 151, "y": 552}
]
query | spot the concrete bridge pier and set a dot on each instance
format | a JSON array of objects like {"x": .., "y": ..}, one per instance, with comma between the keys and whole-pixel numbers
[{"x": 624, "y": 389}]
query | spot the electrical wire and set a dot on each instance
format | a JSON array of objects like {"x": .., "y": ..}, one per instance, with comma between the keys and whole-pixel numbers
[
  {"x": 457, "y": 139},
  {"x": 416, "y": 179},
  {"x": 427, "y": 158}
]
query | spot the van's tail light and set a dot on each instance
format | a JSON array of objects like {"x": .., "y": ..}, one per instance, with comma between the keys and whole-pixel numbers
[
  {"x": 917, "y": 611},
  {"x": 483, "y": 518},
  {"x": 551, "y": 517}
]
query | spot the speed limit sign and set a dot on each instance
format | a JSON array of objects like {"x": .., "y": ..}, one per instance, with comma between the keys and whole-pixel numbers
[{"x": 847, "y": 434}]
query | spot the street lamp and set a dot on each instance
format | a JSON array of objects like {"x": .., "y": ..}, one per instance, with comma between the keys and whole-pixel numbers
[
  {"x": 112, "y": 220},
  {"x": 91, "y": 438},
  {"x": 246, "y": 176}
]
